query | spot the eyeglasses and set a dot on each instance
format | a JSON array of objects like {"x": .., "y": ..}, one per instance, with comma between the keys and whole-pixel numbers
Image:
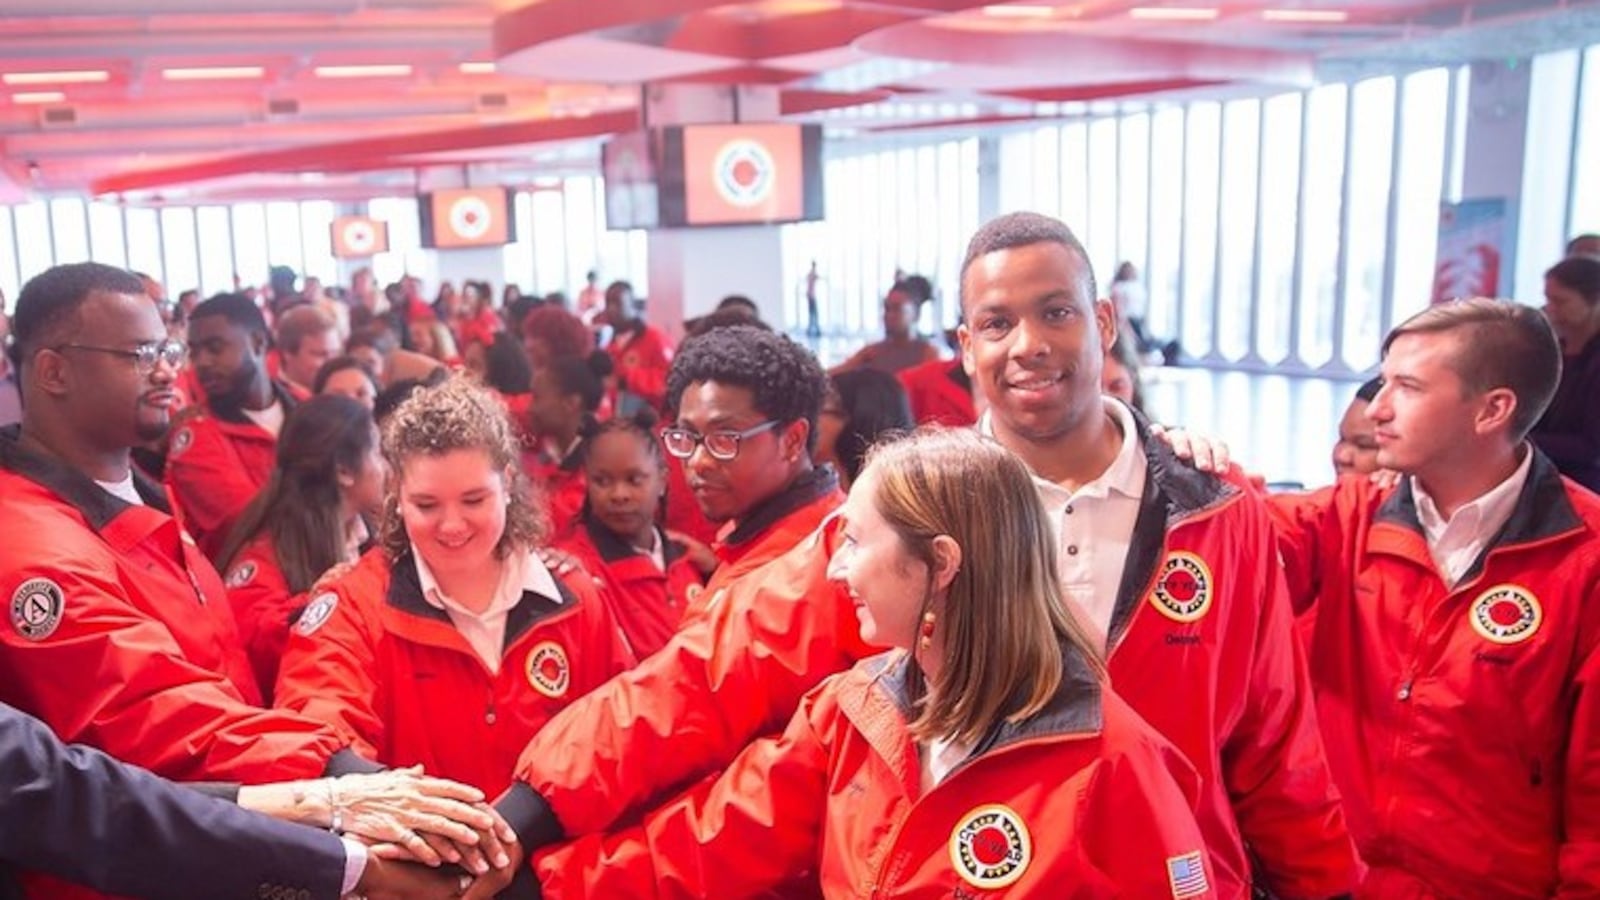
[
  {"x": 145, "y": 356},
  {"x": 723, "y": 445}
]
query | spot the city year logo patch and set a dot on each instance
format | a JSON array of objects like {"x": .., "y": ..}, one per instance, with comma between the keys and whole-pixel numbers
[
  {"x": 36, "y": 607},
  {"x": 744, "y": 173},
  {"x": 181, "y": 442},
  {"x": 1506, "y": 614},
  {"x": 990, "y": 847},
  {"x": 1183, "y": 592},
  {"x": 242, "y": 574},
  {"x": 316, "y": 613},
  {"x": 548, "y": 670}
]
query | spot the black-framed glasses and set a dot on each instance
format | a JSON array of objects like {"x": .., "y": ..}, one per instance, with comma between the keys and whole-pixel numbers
[
  {"x": 723, "y": 445},
  {"x": 145, "y": 356}
]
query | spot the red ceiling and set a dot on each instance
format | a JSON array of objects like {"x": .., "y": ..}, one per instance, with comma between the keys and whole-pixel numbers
[{"x": 570, "y": 69}]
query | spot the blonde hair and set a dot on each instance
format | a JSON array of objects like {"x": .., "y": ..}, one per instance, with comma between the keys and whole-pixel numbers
[
  {"x": 1004, "y": 619},
  {"x": 459, "y": 415}
]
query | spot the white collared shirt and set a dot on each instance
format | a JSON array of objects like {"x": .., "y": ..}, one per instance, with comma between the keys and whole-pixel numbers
[
  {"x": 270, "y": 419},
  {"x": 1094, "y": 526},
  {"x": 1457, "y": 542},
  {"x": 486, "y": 631}
]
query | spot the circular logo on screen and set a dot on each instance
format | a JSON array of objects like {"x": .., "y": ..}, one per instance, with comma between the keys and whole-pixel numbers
[
  {"x": 360, "y": 237},
  {"x": 470, "y": 217},
  {"x": 744, "y": 172},
  {"x": 990, "y": 847},
  {"x": 1506, "y": 614},
  {"x": 548, "y": 671},
  {"x": 1183, "y": 592}
]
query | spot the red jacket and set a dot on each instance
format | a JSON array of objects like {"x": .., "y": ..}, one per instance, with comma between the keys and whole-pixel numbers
[
  {"x": 264, "y": 608},
  {"x": 940, "y": 392},
  {"x": 730, "y": 676},
  {"x": 641, "y": 359},
  {"x": 772, "y": 530},
  {"x": 562, "y": 483},
  {"x": 1463, "y": 723},
  {"x": 215, "y": 466},
  {"x": 371, "y": 657},
  {"x": 1083, "y": 800},
  {"x": 1203, "y": 605},
  {"x": 119, "y": 636},
  {"x": 648, "y": 603}
]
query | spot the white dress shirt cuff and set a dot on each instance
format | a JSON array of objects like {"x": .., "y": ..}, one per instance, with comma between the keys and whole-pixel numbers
[{"x": 355, "y": 863}]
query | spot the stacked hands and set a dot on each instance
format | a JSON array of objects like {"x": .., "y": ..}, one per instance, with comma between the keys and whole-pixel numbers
[{"x": 426, "y": 837}]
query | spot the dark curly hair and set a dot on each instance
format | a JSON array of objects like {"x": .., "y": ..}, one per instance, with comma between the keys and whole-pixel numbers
[{"x": 787, "y": 381}]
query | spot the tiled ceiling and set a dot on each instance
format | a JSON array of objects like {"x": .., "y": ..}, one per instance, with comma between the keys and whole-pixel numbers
[{"x": 349, "y": 98}]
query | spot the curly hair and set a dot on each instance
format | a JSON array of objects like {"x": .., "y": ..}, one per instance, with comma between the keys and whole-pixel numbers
[
  {"x": 787, "y": 381},
  {"x": 563, "y": 332},
  {"x": 459, "y": 415}
]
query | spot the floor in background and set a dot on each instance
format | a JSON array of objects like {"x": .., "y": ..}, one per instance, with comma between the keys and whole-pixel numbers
[{"x": 1276, "y": 426}]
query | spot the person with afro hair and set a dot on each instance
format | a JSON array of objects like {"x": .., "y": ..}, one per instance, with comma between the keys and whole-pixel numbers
[{"x": 745, "y": 403}]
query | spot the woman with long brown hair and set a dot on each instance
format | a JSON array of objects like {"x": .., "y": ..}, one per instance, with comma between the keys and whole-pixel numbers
[{"x": 984, "y": 756}]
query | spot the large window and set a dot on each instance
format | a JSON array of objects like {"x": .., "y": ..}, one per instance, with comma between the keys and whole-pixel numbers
[
  {"x": 906, "y": 208},
  {"x": 1584, "y": 214}
]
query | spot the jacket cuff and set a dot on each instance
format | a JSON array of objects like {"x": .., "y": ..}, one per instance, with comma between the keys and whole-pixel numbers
[
  {"x": 530, "y": 816},
  {"x": 347, "y": 762}
]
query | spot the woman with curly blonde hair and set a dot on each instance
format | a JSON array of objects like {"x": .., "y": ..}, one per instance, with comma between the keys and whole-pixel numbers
[{"x": 451, "y": 643}]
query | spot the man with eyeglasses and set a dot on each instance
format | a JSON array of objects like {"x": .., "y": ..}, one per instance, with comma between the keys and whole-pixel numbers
[
  {"x": 221, "y": 454},
  {"x": 747, "y": 403},
  {"x": 118, "y": 632}
]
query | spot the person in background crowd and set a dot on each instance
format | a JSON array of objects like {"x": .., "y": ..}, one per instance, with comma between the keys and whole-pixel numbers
[
  {"x": 510, "y": 295},
  {"x": 478, "y": 320},
  {"x": 1130, "y": 301},
  {"x": 649, "y": 575},
  {"x": 455, "y": 604},
  {"x": 860, "y": 409},
  {"x": 747, "y": 402},
  {"x": 187, "y": 301},
  {"x": 1584, "y": 245},
  {"x": 742, "y": 303},
  {"x": 1457, "y": 638},
  {"x": 1569, "y": 431},
  {"x": 565, "y": 398},
  {"x": 221, "y": 456},
  {"x": 312, "y": 515},
  {"x": 1356, "y": 452},
  {"x": 120, "y": 636},
  {"x": 1012, "y": 765},
  {"x": 447, "y": 303},
  {"x": 1173, "y": 571},
  {"x": 640, "y": 352},
  {"x": 346, "y": 376},
  {"x": 307, "y": 338},
  {"x": 550, "y": 332},
  {"x": 368, "y": 345},
  {"x": 431, "y": 338},
  {"x": 1119, "y": 376},
  {"x": 940, "y": 391},
  {"x": 901, "y": 347},
  {"x": 506, "y": 367},
  {"x": 591, "y": 300}
]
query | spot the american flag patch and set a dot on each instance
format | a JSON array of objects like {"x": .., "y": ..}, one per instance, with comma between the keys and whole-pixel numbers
[{"x": 1188, "y": 875}]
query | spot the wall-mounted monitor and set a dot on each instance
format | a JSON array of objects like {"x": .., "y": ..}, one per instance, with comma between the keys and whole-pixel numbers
[
  {"x": 467, "y": 217},
  {"x": 743, "y": 174},
  {"x": 358, "y": 237}
]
